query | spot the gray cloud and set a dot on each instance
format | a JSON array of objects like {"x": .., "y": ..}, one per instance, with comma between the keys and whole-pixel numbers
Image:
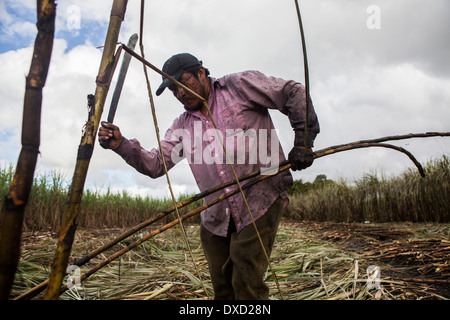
[{"x": 365, "y": 83}]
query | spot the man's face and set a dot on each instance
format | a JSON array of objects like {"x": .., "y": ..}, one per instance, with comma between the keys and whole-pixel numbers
[{"x": 196, "y": 85}]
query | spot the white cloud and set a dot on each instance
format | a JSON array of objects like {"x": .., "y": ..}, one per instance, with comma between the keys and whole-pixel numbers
[{"x": 14, "y": 21}]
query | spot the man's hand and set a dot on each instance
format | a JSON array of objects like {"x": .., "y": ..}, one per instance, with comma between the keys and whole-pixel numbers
[
  {"x": 300, "y": 158},
  {"x": 110, "y": 132}
]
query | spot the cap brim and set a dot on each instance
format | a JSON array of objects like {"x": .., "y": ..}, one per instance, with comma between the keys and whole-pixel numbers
[
  {"x": 167, "y": 83},
  {"x": 162, "y": 87}
]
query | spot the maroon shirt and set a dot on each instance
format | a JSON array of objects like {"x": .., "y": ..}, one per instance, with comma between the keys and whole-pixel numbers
[{"x": 239, "y": 104}]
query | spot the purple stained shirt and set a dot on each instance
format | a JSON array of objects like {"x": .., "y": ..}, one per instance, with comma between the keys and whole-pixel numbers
[{"x": 239, "y": 105}]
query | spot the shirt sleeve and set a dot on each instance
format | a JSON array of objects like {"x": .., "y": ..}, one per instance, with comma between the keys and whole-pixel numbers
[
  {"x": 287, "y": 96},
  {"x": 150, "y": 162}
]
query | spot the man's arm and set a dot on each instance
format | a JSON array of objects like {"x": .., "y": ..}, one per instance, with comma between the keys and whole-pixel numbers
[
  {"x": 147, "y": 162},
  {"x": 288, "y": 97}
]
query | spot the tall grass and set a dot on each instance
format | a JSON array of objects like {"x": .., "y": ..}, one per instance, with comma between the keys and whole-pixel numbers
[
  {"x": 407, "y": 197},
  {"x": 98, "y": 209}
]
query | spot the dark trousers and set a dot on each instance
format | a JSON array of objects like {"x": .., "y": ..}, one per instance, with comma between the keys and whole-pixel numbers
[{"x": 237, "y": 263}]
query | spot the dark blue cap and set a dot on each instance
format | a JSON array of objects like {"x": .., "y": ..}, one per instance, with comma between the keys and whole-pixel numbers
[{"x": 175, "y": 67}]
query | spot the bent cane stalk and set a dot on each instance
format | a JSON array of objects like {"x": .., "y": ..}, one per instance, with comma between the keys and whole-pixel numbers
[
  {"x": 317, "y": 154},
  {"x": 85, "y": 150},
  {"x": 17, "y": 198},
  {"x": 283, "y": 166},
  {"x": 392, "y": 138}
]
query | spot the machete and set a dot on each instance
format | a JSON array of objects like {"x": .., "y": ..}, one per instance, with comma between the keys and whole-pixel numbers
[{"x": 120, "y": 80}]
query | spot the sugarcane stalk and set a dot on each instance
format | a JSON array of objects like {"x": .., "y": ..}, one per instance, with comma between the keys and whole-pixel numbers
[
  {"x": 85, "y": 150},
  {"x": 306, "y": 71},
  {"x": 155, "y": 121},
  {"x": 283, "y": 167},
  {"x": 392, "y": 138},
  {"x": 418, "y": 280},
  {"x": 372, "y": 144},
  {"x": 17, "y": 198}
]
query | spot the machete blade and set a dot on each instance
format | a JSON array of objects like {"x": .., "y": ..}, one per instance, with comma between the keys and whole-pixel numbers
[{"x": 119, "y": 85}]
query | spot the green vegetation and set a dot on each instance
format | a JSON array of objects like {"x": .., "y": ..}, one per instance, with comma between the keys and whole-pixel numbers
[
  {"x": 302, "y": 188},
  {"x": 98, "y": 209},
  {"x": 375, "y": 198}
]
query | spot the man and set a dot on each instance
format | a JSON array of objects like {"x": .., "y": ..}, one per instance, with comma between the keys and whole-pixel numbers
[{"x": 239, "y": 105}]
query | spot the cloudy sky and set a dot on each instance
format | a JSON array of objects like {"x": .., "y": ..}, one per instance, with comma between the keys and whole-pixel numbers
[{"x": 377, "y": 68}]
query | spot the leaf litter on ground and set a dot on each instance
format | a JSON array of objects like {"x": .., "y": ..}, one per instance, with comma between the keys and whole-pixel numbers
[{"x": 312, "y": 261}]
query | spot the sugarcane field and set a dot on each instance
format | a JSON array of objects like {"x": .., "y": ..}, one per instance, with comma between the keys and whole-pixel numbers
[
  {"x": 313, "y": 259},
  {"x": 354, "y": 209}
]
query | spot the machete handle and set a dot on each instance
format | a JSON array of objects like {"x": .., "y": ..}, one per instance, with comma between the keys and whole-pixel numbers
[{"x": 105, "y": 143}]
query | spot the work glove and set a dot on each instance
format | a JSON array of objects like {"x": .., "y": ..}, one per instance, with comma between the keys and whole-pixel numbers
[{"x": 300, "y": 158}]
